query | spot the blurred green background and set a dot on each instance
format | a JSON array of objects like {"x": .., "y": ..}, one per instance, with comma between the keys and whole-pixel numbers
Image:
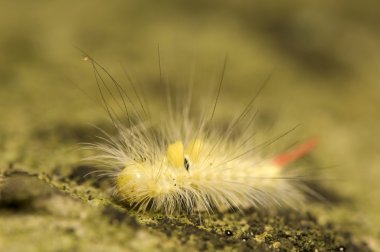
[{"x": 326, "y": 56}]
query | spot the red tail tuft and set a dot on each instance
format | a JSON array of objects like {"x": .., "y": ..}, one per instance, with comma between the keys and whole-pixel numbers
[{"x": 287, "y": 158}]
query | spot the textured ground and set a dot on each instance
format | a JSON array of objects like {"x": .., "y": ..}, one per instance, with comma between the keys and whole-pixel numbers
[{"x": 326, "y": 61}]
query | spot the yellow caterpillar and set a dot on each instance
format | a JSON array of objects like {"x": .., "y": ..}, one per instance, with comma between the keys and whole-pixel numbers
[{"x": 188, "y": 164}]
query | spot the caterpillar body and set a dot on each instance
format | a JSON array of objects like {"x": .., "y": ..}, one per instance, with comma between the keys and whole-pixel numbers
[{"x": 187, "y": 163}]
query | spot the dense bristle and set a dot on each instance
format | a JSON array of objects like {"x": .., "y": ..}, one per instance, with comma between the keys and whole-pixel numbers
[{"x": 189, "y": 163}]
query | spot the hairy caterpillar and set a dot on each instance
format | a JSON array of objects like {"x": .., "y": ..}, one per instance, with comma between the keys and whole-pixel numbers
[{"x": 187, "y": 163}]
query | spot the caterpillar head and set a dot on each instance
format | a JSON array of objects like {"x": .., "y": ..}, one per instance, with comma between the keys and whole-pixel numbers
[{"x": 142, "y": 181}]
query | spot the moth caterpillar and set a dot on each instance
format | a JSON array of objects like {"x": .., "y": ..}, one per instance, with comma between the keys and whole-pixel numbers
[{"x": 187, "y": 163}]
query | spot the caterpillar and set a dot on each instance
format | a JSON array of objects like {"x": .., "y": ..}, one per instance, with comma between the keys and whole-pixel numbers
[{"x": 186, "y": 162}]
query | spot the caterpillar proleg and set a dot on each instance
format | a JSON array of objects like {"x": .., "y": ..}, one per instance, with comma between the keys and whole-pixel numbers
[{"x": 187, "y": 163}]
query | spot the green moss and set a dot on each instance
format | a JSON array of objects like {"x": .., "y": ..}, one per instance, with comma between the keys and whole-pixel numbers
[{"x": 69, "y": 209}]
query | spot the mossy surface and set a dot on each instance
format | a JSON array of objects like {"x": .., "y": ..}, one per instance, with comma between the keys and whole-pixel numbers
[{"x": 41, "y": 212}]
